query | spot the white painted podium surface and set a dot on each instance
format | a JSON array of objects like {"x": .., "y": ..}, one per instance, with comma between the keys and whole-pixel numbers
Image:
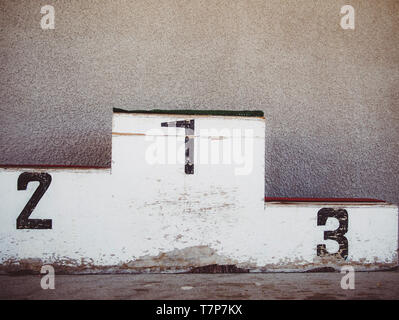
[{"x": 185, "y": 193}]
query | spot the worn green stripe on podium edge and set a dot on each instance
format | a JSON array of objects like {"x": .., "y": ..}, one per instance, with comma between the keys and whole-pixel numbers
[{"x": 241, "y": 113}]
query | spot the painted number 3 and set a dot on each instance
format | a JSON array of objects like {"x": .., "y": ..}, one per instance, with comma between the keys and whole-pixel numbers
[{"x": 337, "y": 235}]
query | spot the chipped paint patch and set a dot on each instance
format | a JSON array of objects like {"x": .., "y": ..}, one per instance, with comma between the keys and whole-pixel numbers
[
  {"x": 187, "y": 288},
  {"x": 214, "y": 268}
]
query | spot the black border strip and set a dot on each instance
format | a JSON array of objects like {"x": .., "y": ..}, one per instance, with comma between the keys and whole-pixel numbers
[{"x": 241, "y": 113}]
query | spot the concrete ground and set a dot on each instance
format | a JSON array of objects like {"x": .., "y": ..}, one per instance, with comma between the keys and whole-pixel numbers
[{"x": 368, "y": 285}]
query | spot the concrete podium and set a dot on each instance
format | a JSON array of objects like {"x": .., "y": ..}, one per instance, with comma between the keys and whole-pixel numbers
[{"x": 185, "y": 193}]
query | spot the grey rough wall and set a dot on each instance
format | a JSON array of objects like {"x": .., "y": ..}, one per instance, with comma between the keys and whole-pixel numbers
[{"x": 330, "y": 96}]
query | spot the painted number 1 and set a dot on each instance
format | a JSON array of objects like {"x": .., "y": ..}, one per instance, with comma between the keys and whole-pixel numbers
[{"x": 189, "y": 141}]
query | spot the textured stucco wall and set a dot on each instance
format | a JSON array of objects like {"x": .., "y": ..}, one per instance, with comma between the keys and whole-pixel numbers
[{"x": 330, "y": 96}]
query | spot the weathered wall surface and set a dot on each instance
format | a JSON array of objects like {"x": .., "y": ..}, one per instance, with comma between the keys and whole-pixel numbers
[{"x": 330, "y": 96}]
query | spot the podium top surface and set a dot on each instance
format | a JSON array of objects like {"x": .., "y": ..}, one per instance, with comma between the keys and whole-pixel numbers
[
  {"x": 332, "y": 201},
  {"x": 287, "y": 199}
]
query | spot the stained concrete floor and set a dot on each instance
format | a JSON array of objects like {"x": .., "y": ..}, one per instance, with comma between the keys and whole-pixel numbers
[{"x": 368, "y": 285}]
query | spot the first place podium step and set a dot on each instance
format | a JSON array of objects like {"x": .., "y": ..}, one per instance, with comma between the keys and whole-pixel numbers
[{"x": 185, "y": 193}]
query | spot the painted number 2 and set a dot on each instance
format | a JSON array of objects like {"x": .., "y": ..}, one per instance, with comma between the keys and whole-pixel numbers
[
  {"x": 337, "y": 235},
  {"x": 23, "y": 221}
]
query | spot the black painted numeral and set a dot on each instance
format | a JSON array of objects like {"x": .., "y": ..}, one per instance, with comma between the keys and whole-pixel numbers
[
  {"x": 188, "y": 125},
  {"x": 337, "y": 235},
  {"x": 23, "y": 221}
]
